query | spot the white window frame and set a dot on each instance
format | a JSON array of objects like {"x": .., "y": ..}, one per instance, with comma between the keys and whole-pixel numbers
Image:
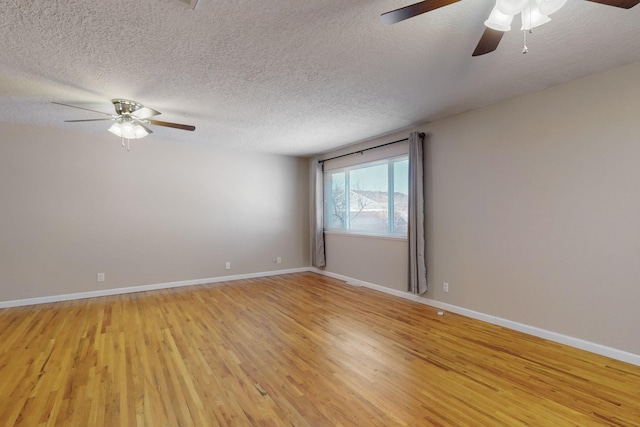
[{"x": 328, "y": 211}]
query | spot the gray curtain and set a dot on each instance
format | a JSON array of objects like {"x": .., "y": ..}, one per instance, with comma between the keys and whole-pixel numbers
[
  {"x": 318, "y": 255},
  {"x": 417, "y": 247}
]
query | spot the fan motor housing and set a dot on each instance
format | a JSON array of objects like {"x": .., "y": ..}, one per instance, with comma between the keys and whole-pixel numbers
[{"x": 125, "y": 106}]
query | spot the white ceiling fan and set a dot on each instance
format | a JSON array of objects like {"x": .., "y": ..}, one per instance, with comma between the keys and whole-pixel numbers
[{"x": 130, "y": 120}]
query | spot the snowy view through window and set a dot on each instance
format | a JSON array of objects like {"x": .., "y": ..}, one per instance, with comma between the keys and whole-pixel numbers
[{"x": 371, "y": 198}]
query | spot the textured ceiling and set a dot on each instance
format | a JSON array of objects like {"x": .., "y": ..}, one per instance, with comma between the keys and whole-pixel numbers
[{"x": 286, "y": 76}]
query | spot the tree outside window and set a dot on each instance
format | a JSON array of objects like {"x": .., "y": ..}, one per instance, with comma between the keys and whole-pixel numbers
[{"x": 371, "y": 198}]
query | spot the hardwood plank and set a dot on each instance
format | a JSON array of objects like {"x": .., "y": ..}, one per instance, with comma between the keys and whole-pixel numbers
[{"x": 293, "y": 350}]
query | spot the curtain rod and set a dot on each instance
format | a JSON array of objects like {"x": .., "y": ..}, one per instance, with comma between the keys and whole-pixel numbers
[{"x": 367, "y": 149}]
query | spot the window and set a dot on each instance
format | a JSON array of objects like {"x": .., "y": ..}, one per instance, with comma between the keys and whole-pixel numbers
[{"x": 370, "y": 198}]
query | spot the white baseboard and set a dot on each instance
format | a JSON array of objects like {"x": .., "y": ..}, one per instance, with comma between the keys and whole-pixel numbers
[
  {"x": 143, "y": 288},
  {"x": 602, "y": 350}
]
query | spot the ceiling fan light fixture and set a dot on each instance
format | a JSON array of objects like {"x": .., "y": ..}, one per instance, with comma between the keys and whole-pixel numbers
[
  {"x": 532, "y": 17},
  {"x": 499, "y": 21},
  {"x": 116, "y": 129},
  {"x": 140, "y": 132},
  {"x": 128, "y": 130},
  {"x": 511, "y": 7}
]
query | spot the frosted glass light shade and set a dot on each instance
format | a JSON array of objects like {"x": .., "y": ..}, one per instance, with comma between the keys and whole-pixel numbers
[
  {"x": 533, "y": 13},
  {"x": 499, "y": 21},
  {"x": 128, "y": 130},
  {"x": 140, "y": 132},
  {"x": 511, "y": 7},
  {"x": 532, "y": 17},
  {"x": 116, "y": 129}
]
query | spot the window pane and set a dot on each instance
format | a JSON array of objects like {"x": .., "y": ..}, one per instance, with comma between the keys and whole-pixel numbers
[
  {"x": 401, "y": 196},
  {"x": 369, "y": 198},
  {"x": 335, "y": 201}
]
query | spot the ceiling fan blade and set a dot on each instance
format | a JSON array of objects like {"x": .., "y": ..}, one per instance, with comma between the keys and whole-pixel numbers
[
  {"x": 144, "y": 112},
  {"x": 89, "y": 120},
  {"x": 488, "y": 42},
  {"x": 82, "y": 108},
  {"x": 414, "y": 10},
  {"x": 141, "y": 123},
  {"x": 625, "y": 4},
  {"x": 170, "y": 125}
]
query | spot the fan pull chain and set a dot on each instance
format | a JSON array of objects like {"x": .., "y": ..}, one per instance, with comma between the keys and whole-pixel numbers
[
  {"x": 525, "y": 49},
  {"x": 128, "y": 140}
]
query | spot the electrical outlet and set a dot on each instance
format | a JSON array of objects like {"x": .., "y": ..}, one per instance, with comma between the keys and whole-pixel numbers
[
  {"x": 279, "y": 260},
  {"x": 445, "y": 287},
  {"x": 100, "y": 277},
  {"x": 227, "y": 265}
]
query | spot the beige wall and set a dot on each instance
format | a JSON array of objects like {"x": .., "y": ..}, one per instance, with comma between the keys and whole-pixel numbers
[
  {"x": 371, "y": 259},
  {"x": 75, "y": 204},
  {"x": 534, "y": 210}
]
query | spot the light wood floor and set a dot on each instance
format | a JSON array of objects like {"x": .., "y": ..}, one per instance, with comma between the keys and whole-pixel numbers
[{"x": 293, "y": 350}]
